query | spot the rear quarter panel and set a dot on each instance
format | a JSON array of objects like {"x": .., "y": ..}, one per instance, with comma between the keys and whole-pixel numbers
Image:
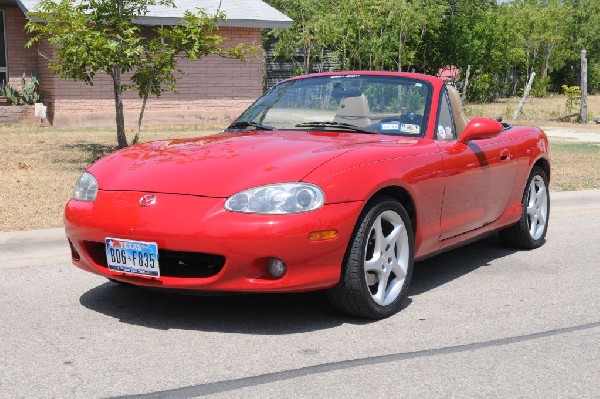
[{"x": 530, "y": 146}]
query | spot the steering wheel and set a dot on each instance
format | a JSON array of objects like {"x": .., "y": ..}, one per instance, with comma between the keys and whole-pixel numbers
[{"x": 411, "y": 117}]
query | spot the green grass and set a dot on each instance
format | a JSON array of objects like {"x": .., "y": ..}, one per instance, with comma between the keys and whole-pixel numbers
[
  {"x": 580, "y": 147},
  {"x": 575, "y": 166}
]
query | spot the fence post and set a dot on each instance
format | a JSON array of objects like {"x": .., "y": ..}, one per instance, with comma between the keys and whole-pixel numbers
[
  {"x": 464, "y": 90},
  {"x": 525, "y": 95},
  {"x": 583, "y": 117}
]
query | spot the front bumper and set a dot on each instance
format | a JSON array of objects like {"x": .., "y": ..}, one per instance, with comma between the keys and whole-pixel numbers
[{"x": 200, "y": 225}]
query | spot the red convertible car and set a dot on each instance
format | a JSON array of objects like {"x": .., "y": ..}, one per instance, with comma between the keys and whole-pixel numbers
[{"x": 334, "y": 181}]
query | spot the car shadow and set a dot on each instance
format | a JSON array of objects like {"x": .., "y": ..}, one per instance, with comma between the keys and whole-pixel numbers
[
  {"x": 270, "y": 314},
  {"x": 448, "y": 266},
  {"x": 257, "y": 314}
]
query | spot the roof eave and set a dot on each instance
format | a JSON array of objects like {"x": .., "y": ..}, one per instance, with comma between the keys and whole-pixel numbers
[{"x": 236, "y": 23}]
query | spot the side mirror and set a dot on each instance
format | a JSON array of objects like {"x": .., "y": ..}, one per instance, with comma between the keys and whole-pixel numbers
[{"x": 480, "y": 128}]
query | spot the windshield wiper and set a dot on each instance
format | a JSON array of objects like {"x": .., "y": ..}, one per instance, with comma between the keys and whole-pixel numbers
[
  {"x": 336, "y": 124},
  {"x": 243, "y": 124}
]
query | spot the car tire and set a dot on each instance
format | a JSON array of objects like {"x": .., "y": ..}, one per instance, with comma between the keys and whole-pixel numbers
[
  {"x": 530, "y": 231},
  {"x": 378, "y": 263}
]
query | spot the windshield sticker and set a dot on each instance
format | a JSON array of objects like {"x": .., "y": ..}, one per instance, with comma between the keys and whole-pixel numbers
[
  {"x": 410, "y": 128},
  {"x": 343, "y": 76},
  {"x": 390, "y": 126}
]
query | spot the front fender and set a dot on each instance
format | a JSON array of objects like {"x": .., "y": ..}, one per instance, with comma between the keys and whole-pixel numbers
[{"x": 420, "y": 175}]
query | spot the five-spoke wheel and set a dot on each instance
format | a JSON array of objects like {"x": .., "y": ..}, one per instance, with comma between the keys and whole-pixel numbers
[
  {"x": 378, "y": 263},
  {"x": 386, "y": 257},
  {"x": 537, "y": 207},
  {"x": 530, "y": 231}
]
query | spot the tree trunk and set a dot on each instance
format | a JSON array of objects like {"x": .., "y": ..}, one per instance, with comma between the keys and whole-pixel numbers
[
  {"x": 584, "y": 107},
  {"x": 464, "y": 90},
  {"x": 515, "y": 81},
  {"x": 544, "y": 70},
  {"x": 322, "y": 55},
  {"x": 139, "y": 125},
  {"x": 120, "y": 119},
  {"x": 525, "y": 95},
  {"x": 307, "y": 55},
  {"x": 359, "y": 53},
  {"x": 400, "y": 53},
  {"x": 527, "y": 62}
]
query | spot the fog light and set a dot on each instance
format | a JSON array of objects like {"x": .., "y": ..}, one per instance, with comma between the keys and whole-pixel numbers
[{"x": 276, "y": 267}]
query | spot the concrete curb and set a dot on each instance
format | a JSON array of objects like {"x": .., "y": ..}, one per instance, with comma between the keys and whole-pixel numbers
[
  {"x": 55, "y": 240},
  {"x": 576, "y": 199},
  {"x": 34, "y": 243}
]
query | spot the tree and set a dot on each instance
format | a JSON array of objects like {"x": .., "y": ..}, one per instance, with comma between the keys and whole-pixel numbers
[
  {"x": 309, "y": 34},
  {"x": 502, "y": 41},
  {"x": 582, "y": 32},
  {"x": 101, "y": 36}
]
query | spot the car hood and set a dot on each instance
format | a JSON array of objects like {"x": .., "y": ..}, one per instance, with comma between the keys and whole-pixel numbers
[{"x": 223, "y": 164}]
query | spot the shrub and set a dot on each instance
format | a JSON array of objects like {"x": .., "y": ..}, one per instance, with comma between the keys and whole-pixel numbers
[
  {"x": 539, "y": 87},
  {"x": 573, "y": 97}
]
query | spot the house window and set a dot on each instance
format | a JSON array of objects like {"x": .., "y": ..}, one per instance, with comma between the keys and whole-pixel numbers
[{"x": 3, "y": 65}]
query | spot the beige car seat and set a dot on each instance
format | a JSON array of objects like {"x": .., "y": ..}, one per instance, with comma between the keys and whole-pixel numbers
[
  {"x": 354, "y": 110},
  {"x": 460, "y": 119}
]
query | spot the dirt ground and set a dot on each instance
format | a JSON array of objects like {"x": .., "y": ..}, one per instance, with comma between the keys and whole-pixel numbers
[
  {"x": 537, "y": 111},
  {"x": 38, "y": 167}
]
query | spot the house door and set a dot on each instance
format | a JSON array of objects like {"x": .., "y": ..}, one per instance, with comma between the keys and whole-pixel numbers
[{"x": 3, "y": 64}]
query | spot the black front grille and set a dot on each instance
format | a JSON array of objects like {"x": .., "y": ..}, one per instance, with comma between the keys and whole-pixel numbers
[
  {"x": 189, "y": 264},
  {"x": 172, "y": 263}
]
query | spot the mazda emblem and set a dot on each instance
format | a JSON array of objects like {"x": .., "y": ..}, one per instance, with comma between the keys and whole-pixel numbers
[{"x": 147, "y": 200}]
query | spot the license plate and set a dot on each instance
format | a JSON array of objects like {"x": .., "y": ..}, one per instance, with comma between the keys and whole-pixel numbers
[{"x": 132, "y": 257}]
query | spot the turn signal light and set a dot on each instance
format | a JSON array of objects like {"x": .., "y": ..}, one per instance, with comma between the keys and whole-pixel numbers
[{"x": 323, "y": 235}]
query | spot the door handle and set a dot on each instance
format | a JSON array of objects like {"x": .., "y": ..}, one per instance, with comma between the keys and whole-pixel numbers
[{"x": 504, "y": 154}]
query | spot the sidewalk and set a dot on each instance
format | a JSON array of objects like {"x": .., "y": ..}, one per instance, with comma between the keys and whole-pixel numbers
[
  {"x": 554, "y": 132},
  {"x": 53, "y": 241}
]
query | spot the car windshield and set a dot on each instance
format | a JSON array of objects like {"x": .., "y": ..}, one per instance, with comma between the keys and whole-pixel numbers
[{"x": 361, "y": 103}]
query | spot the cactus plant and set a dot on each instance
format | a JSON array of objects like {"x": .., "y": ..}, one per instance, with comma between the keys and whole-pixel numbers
[
  {"x": 11, "y": 93},
  {"x": 31, "y": 93}
]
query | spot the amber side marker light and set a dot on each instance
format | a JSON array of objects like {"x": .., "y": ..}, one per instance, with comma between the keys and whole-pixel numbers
[{"x": 323, "y": 235}]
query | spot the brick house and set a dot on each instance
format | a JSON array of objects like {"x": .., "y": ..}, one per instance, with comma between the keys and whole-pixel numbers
[{"x": 212, "y": 91}]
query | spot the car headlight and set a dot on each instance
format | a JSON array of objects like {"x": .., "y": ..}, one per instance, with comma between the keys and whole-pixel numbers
[
  {"x": 86, "y": 188},
  {"x": 277, "y": 199}
]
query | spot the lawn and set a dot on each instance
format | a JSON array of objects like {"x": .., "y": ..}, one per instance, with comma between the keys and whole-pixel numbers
[
  {"x": 39, "y": 166},
  {"x": 575, "y": 166}
]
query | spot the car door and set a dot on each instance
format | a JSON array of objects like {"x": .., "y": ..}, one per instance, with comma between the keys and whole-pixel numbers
[{"x": 479, "y": 176}]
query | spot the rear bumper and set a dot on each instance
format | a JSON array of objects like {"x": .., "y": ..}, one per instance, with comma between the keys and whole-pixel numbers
[{"x": 201, "y": 225}]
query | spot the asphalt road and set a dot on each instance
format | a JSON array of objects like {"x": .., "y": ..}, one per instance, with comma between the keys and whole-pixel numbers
[{"x": 480, "y": 321}]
